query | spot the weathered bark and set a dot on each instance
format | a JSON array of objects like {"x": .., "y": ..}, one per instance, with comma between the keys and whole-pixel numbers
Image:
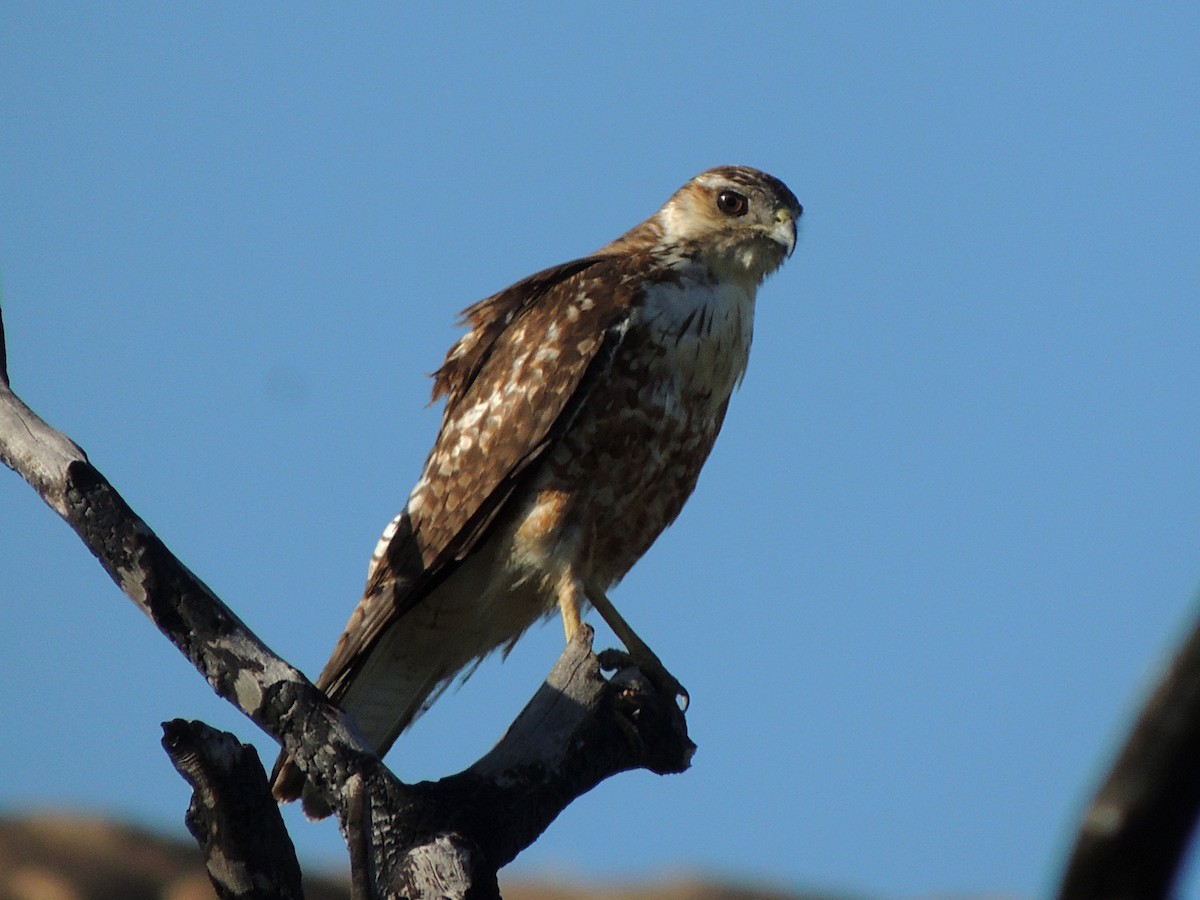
[
  {"x": 247, "y": 849},
  {"x": 443, "y": 839}
]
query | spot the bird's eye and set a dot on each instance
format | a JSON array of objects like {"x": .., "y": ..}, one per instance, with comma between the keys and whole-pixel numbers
[{"x": 732, "y": 203}]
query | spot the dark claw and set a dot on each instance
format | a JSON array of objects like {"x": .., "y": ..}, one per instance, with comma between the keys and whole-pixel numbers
[{"x": 614, "y": 660}]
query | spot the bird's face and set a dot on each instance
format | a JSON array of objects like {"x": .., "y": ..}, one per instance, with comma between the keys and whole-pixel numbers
[{"x": 739, "y": 221}]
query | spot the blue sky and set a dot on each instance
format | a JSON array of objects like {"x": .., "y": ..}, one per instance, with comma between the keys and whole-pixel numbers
[{"x": 949, "y": 532}]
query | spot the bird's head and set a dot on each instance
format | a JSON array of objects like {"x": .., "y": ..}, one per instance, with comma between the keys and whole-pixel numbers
[{"x": 738, "y": 221}]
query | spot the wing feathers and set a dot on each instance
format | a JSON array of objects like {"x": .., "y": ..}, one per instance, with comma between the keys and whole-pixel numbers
[
  {"x": 526, "y": 360},
  {"x": 512, "y": 384},
  {"x": 575, "y": 314},
  {"x": 487, "y": 320}
]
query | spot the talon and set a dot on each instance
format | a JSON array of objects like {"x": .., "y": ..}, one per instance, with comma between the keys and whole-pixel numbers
[
  {"x": 667, "y": 683},
  {"x": 639, "y": 654},
  {"x": 614, "y": 660},
  {"x": 682, "y": 699}
]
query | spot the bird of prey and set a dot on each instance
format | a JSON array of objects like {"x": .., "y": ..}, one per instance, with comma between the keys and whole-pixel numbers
[{"x": 580, "y": 406}]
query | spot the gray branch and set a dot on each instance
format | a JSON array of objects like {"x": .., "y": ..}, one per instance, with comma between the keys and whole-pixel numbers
[
  {"x": 443, "y": 839},
  {"x": 247, "y": 849},
  {"x": 1135, "y": 831}
]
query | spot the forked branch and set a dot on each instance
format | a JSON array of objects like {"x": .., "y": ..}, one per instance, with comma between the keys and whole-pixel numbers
[{"x": 446, "y": 838}]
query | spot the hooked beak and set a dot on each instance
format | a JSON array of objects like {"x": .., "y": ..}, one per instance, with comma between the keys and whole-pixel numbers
[{"x": 785, "y": 227}]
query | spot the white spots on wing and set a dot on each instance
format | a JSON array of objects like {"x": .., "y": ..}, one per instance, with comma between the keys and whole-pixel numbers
[
  {"x": 470, "y": 417},
  {"x": 486, "y": 435},
  {"x": 415, "y": 501},
  {"x": 476, "y": 426},
  {"x": 390, "y": 529},
  {"x": 518, "y": 363},
  {"x": 416, "y": 509}
]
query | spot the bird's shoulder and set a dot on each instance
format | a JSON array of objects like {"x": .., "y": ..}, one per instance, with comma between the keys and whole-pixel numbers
[{"x": 564, "y": 307}]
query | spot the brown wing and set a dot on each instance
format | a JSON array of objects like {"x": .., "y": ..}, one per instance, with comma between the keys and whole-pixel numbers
[{"x": 513, "y": 383}]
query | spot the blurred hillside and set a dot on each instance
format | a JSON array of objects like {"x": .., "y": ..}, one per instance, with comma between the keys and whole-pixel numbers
[{"x": 68, "y": 857}]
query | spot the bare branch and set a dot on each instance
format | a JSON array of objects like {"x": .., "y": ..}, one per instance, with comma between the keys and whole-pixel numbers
[
  {"x": 235, "y": 662},
  {"x": 233, "y": 815},
  {"x": 444, "y": 839},
  {"x": 578, "y": 729},
  {"x": 1135, "y": 831}
]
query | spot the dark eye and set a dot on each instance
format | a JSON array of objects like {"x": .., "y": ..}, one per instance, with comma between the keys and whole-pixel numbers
[{"x": 732, "y": 203}]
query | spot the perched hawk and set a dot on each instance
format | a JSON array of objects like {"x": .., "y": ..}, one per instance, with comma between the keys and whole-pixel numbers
[{"x": 580, "y": 407}]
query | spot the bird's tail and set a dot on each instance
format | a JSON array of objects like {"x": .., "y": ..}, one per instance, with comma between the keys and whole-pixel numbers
[
  {"x": 384, "y": 701},
  {"x": 382, "y": 671},
  {"x": 411, "y": 634}
]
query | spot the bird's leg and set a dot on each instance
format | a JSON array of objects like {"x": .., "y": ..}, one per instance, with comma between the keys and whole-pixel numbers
[
  {"x": 643, "y": 657},
  {"x": 570, "y": 602}
]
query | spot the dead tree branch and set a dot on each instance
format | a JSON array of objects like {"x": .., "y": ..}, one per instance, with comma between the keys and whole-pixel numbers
[
  {"x": 443, "y": 839},
  {"x": 1134, "y": 833},
  {"x": 247, "y": 848}
]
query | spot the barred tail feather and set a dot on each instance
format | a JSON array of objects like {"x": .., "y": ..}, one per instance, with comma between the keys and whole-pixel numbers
[
  {"x": 368, "y": 675},
  {"x": 410, "y": 636},
  {"x": 385, "y": 698}
]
